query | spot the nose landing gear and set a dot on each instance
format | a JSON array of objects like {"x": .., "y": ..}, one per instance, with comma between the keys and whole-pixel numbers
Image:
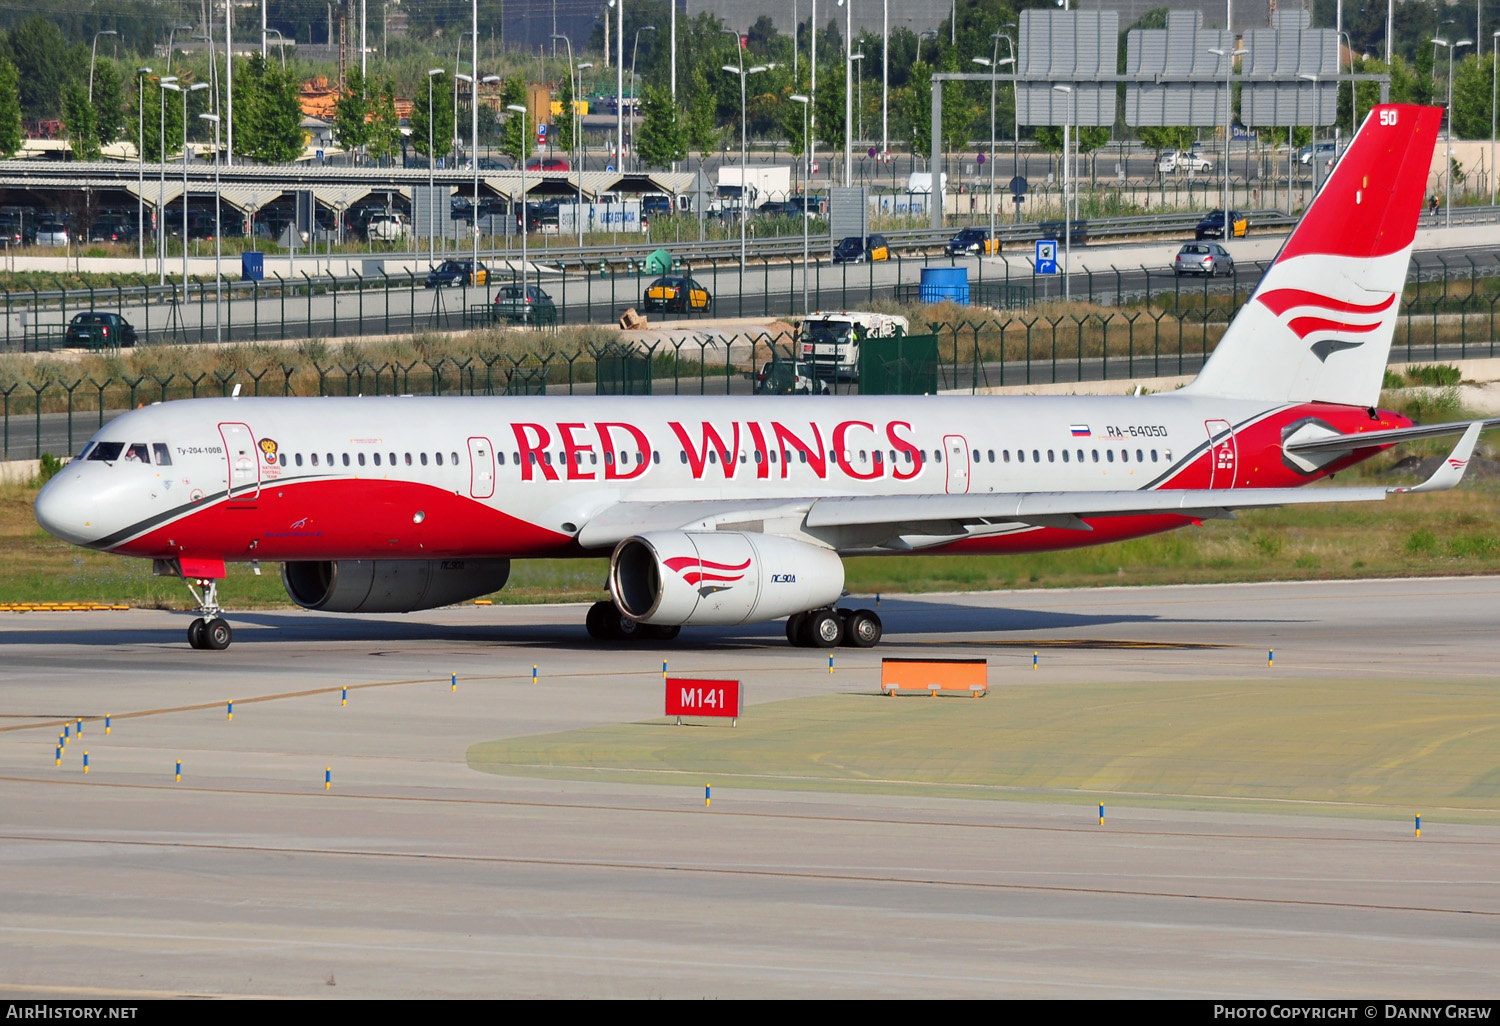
[{"x": 210, "y": 630}]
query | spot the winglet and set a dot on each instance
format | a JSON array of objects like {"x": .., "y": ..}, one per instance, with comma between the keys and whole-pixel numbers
[{"x": 1451, "y": 471}]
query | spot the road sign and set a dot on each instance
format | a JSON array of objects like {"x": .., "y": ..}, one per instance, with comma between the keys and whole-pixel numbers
[
  {"x": 541, "y": 128},
  {"x": 871, "y": 152},
  {"x": 441, "y": 163},
  {"x": 320, "y": 156},
  {"x": 690, "y": 697},
  {"x": 1046, "y": 256},
  {"x": 981, "y": 158},
  {"x": 609, "y": 167},
  {"x": 1018, "y": 186}
]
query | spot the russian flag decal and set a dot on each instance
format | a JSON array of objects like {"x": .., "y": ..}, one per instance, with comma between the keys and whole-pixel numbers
[{"x": 1081, "y": 431}]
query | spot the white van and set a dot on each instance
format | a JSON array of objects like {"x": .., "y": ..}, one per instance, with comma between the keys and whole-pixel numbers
[{"x": 830, "y": 339}]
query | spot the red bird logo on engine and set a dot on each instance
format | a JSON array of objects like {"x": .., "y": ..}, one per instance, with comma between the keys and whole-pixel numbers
[{"x": 706, "y": 574}]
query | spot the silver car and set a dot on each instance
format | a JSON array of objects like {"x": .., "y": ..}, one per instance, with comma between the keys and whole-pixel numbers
[
  {"x": 1205, "y": 258},
  {"x": 51, "y": 233}
]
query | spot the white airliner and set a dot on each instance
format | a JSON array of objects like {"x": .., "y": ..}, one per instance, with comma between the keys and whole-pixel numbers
[{"x": 724, "y": 511}]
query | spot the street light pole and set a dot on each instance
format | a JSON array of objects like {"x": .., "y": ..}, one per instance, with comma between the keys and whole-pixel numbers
[
  {"x": 94, "y": 56},
  {"x": 525, "y": 296},
  {"x": 1067, "y": 207},
  {"x": 742, "y": 72},
  {"x": 619, "y": 6},
  {"x": 140, "y": 159},
  {"x": 218, "y": 238},
  {"x": 1448, "y": 165},
  {"x": 798, "y": 98},
  {"x": 190, "y": 89},
  {"x": 1494, "y": 82},
  {"x": 579, "y": 152},
  {"x": 573, "y": 120},
  {"x": 1228, "y": 56},
  {"x": 431, "y": 160},
  {"x": 166, "y": 83},
  {"x": 848, "y": 6},
  {"x": 885, "y": 78},
  {"x": 859, "y": 109},
  {"x": 994, "y": 65}
]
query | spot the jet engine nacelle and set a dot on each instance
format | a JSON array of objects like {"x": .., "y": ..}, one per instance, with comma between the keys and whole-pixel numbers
[
  {"x": 391, "y": 585},
  {"x": 721, "y": 577}
]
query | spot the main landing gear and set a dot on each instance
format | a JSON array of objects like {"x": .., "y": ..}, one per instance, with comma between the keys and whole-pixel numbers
[
  {"x": 829, "y": 628},
  {"x": 605, "y": 622},
  {"x": 210, "y": 630}
]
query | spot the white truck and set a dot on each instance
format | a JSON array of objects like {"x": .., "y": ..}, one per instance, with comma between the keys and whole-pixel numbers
[
  {"x": 921, "y": 182},
  {"x": 763, "y": 184},
  {"x": 830, "y": 340}
]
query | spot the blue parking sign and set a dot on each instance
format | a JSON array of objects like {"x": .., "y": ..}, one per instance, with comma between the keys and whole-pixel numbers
[{"x": 1046, "y": 256}]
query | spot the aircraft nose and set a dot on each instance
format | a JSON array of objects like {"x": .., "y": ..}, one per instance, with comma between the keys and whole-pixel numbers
[{"x": 64, "y": 511}]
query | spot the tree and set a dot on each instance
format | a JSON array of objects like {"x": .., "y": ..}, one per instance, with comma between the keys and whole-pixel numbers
[
  {"x": 439, "y": 117},
  {"x": 1471, "y": 98},
  {"x": 662, "y": 138},
  {"x": 1171, "y": 137},
  {"x": 515, "y": 138},
  {"x": 1090, "y": 138},
  {"x": 163, "y": 112},
  {"x": 271, "y": 122},
  {"x": 351, "y": 125},
  {"x": 78, "y": 119},
  {"x": 10, "y": 110},
  {"x": 109, "y": 102},
  {"x": 701, "y": 123},
  {"x": 41, "y": 56},
  {"x": 560, "y": 131},
  {"x": 385, "y": 125}
]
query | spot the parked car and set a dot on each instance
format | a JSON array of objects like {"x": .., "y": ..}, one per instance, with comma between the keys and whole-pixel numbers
[
  {"x": 1055, "y": 230},
  {"x": 974, "y": 241},
  {"x": 785, "y": 377},
  {"x": 854, "y": 250},
  {"x": 112, "y": 231},
  {"x": 676, "y": 294},
  {"x": 1212, "y": 226},
  {"x": 97, "y": 330},
  {"x": 531, "y": 307},
  {"x": 454, "y": 273},
  {"x": 1322, "y": 151},
  {"x": 547, "y": 164},
  {"x": 491, "y": 164},
  {"x": 50, "y": 233},
  {"x": 1205, "y": 258},
  {"x": 386, "y": 228},
  {"x": 1183, "y": 160},
  {"x": 656, "y": 205}
]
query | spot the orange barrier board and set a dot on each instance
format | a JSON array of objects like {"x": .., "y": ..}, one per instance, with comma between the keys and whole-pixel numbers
[{"x": 934, "y": 675}]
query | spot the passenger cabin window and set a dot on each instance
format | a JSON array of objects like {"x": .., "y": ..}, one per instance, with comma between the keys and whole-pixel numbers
[
  {"x": 299, "y": 459},
  {"x": 455, "y": 458},
  {"x": 282, "y": 459},
  {"x": 162, "y": 453},
  {"x": 330, "y": 460},
  {"x": 346, "y": 459},
  {"x": 362, "y": 458},
  {"x": 377, "y": 459},
  {"x": 422, "y": 456},
  {"x": 315, "y": 459},
  {"x": 439, "y": 457}
]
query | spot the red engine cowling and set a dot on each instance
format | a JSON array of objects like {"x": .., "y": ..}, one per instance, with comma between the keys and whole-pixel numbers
[{"x": 721, "y": 577}]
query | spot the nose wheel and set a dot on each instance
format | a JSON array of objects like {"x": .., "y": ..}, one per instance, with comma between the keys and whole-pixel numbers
[
  {"x": 210, "y": 630},
  {"x": 213, "y": 634}
]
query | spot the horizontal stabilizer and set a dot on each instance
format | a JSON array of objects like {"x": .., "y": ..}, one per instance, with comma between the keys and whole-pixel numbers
[{"x": 1390, "y": 436}]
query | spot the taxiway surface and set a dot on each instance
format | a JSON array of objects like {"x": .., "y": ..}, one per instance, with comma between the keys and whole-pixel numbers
[{"x": 414, "y": 876}]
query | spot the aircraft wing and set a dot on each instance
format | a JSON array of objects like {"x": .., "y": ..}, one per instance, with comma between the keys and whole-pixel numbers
[
  {"x": 1363, "y": 439},
  {"x": 923, "y": 519}
]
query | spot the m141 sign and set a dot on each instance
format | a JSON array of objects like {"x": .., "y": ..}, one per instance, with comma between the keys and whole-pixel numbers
[{"x": 686, "y": 697}]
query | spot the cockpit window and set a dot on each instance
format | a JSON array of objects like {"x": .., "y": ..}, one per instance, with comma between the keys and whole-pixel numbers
[
  {"x": 107, "y": 451},
  {"x": 162, "y": 453},
  {"x": 136, "y": 453},
  {"x": 88, "y": 447}
]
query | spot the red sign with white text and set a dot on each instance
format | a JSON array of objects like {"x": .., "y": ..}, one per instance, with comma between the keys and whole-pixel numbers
[{"x": 687, "y": 697}]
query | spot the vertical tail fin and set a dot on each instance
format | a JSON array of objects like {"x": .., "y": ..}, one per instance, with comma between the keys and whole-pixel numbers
[{"x": 1318, "y": 326}]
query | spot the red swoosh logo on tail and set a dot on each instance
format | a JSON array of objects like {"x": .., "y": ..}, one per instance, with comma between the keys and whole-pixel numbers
[{"x": 1279, "y": 301}]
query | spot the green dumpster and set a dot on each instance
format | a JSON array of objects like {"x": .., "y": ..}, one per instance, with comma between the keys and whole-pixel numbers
[{"x": 659, "y": 262}]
